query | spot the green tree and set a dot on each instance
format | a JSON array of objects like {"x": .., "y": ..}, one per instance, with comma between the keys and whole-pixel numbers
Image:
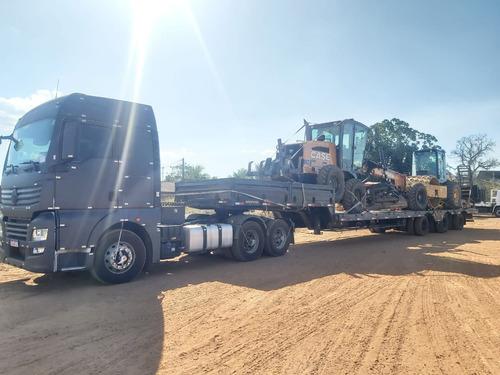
[
  {"x": 240, "y": 173},
  {"x": 472, "y": 150},
  {"x": 191, "y": 173},
  {"x": 397, "y": 140}
]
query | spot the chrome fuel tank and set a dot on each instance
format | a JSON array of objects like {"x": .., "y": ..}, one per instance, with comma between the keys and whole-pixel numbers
[{"x": 198, "y": 237}]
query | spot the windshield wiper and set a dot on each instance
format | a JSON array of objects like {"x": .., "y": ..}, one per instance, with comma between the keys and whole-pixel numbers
[
  {"x": 35, "y": 165},
  {"x": 12, "y": 170}
]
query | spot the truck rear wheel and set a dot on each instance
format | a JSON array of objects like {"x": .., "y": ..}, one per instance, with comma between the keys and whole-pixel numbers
[
  {"x": 119, "y": 257},
  {"x": 421, "y": 226},
  {"x": 279, "y": 238},
  {"x": 417, "y": 197},
  {"x": 333, "y": 176},
  {"x": 250, "y": 242},
  {"x": 354, "y": 196}
]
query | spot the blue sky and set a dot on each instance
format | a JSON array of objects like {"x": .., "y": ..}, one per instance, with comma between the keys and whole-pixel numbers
[{"x": 226, "y": 78}]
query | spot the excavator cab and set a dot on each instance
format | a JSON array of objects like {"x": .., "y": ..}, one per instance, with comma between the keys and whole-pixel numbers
[
  {"x": 349, "y": 136},
  {"x": 430, "y": 162}
]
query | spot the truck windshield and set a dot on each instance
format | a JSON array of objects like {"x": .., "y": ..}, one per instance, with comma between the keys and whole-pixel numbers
[{"x": 33, "y": 144}]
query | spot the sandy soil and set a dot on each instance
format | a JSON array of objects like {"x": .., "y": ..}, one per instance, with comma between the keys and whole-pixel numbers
[{"x": 340, "y": 303}]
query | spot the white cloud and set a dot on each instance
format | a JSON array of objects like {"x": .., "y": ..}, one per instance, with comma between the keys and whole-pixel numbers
[{"x": 23, "y": 105}]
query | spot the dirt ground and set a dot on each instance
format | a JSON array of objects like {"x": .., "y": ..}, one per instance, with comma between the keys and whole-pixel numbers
[{"x": 340, "y": 303}]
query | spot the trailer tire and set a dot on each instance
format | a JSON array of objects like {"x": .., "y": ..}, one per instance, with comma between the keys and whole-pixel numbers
[
  {"x": 443, "y": 225},
  {"x": 410, "y": 226},
  {"x": 333, "y": 176},
  {"x": 453, "y": 195},
  {"x": 279, "y": 238},
  {"x": 497, "y": 212},
  {"x": 421, "y": 226},
  {"x": 250, "y": 242},
  {"x": 458, "y": 222},
  {"x": 417, "y": 197},
  {"x": 377, "y": 230},
  {"x": 354, "y": 198},
  {"x": 116, "y": 263}
]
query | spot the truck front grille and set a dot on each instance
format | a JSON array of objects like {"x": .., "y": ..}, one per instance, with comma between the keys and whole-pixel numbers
[
  {"x": 17, "y": 229},
  {"x": 27, "y": 196}
]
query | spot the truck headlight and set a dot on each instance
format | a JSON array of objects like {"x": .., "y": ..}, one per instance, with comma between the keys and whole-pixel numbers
[{"x": 39, "y": 234}]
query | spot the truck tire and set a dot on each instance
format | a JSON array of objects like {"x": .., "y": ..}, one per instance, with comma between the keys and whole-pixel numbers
[
  {"x": 279, "y": 238},
  {"x": 250, "y": 242},
  {"x": 410, "y": 226},
  {"x": 228, "y": 253},
  {"x": 417, "y": 197},
  {"x": 442, "y": 226},
  {"x": 333, "y": 176},
  {"x": 421, "y": 226},
  {"x": 116, "y": 263},
  {"x": 497, "y": 212},
  {"x": 377, "y": 230},
  {"x": 457, "y": 222},
  {"x": 453, "y": 195},
  {"x": 354, "y": 198}
]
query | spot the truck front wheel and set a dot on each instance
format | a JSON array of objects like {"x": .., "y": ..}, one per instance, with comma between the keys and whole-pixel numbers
[
  {"x": 119, "y": 257},
  {"x": 497, "y": 211}
]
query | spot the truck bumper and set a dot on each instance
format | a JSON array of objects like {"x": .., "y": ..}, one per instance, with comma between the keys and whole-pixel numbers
[{"x": 18, "y": 249}]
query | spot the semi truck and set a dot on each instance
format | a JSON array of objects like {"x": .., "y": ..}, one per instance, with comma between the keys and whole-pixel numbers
[{"x": 81, "y": 191}]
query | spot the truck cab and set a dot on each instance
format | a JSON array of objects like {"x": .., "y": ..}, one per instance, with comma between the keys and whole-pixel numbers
[{"x": 77, "y": 168}]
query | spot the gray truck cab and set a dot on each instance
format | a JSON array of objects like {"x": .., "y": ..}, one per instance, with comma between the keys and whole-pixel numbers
[{"x": 77, "y": 169}]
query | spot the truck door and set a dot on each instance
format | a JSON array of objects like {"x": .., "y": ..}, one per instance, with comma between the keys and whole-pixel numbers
[
  {"x": 136, "y": 167},
  {"x": 86, "y": 176}
]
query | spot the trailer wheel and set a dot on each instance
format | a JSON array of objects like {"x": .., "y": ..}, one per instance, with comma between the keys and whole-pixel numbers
[
  {"x": 279, "y": 238},
  {"x": 250, "y": 242},
  {"x": 458, "y": 222},
  {"x": 417, "y": 197},
  {"x": 377, "y": 230},
  {"x": 453, "y": 195},
  {"x": 354, "y": 196},
  {"x": 421, "y": 226},
  {"x": 442, "y": 226},
  {"x": 497, "y": 212},
  {"x": 410, "y": 226},
  {"x": 119, "y": 257},
  {"x": 333, "y": 176}
]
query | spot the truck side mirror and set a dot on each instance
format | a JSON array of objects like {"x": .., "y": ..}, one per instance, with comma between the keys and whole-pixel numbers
[{"x": 68, "y": 149}]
